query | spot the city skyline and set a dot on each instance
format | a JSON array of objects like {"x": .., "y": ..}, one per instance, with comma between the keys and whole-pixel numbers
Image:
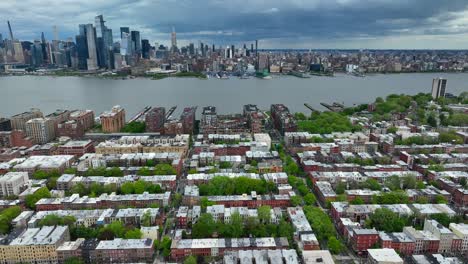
[{"x": 350, "y": 24}]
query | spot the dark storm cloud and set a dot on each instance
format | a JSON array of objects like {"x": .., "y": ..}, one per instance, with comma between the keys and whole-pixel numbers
[{"x": 225, "y": 22}]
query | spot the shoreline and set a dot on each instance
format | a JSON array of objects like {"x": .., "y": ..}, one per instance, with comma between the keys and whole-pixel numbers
[{"x": 161, "y": 76}]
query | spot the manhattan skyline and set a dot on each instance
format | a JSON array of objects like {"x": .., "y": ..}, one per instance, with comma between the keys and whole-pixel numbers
[{"x": 350, "y": 24}]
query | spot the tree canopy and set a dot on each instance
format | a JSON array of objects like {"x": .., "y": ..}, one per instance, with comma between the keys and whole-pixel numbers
[
  {"x": 222, "y": 185},
  {"x": 326, "y": 123}
]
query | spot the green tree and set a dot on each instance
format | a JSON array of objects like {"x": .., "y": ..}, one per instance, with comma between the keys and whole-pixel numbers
[
  {"x": 326, "y": 123},
  {"x": 165, "y": 246},
  {"x": 190, "y": 260},
  {"x": 79, "y": 188},
  {"x": 450, "y": 137},
  {"x": 264, "y": 214},
  {"x": 357, "y": 200},
  {"x": 340, "y": 188},
  {"x": 146, "y": 219},
  {"x": 422, "y": 200},
  {"x": 463, "y": 182},
  {"x": 393, "y": 183},
  {"x": 134, "y": 233},
  {"x": 139, "y": 187},
  {"x": 117, "y": 229},
  {"x": 236, "y": 225},
  {"x": 70, "y": 171},
  {"x": 395, "y": 197},
  {"x": 385, "y": 220},
  {"x": 373, "y": 184},
  {"x": 310, "y": 199},
  {"x": 443, "y": 219},
  {"x": 145, "y": 171},
  {"x": 53, "y": 220},
  {"x": 431, "y": 120},
  {"x": 134, "y": 127},
  {"x": 74, "y": 260},
  {"x": 31, "y": 199},
  {"x": 440, "y": 199},
  {"x": 334, "y": 245},
  {"x": 164, "y": 169},
  {"x": 204, "y": 227},
  {"x": 409, "y": 182},
  {"x": 392, "y": 130},
  {"x": 320, "y": 222},
  {"x": 6, "y": 216},
  {"x": 296, "y": 200},
  {"x": 127, "y": 188}
]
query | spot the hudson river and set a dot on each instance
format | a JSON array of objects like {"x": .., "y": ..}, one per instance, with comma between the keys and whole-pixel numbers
[{"x": 19, "y": 93}]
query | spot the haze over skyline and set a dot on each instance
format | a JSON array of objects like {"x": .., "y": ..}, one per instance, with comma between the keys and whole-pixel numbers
[{"x": 384, "y": 24}]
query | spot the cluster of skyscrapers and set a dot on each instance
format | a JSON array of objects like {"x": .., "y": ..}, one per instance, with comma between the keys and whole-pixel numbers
[{"x": 95, "y": 48}]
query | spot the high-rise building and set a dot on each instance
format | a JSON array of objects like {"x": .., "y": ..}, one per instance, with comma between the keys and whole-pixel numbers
[
  {"x": 18, "y": 122},
  {"x": 92, "y": 61},
  {"x": 5, "y": 124},
  {"x": 191, "y": 49},
  {"x": 18, "y": 50},
  {"x": 145, "y": 48},
  {"x": 124, "y": 30},
  {"x": 82, "y": 49},
  {"x": 173, "y": 40},
  {"x": 126, "y": 44},
  {"x": 114, "y": 120},
  {"x": 136, "y": 41},
  {"x": 209, "y": 116},
  {"x": 438, "y": 87},
  {"x": 37, "y": 57},
  {"x": 104, "y": 42},
  {"x": 42, "y": 130},
  {"x": 188, "y": 119},
  {"x": 155, "y": 119},
  {"x": 11, "y": 31},
  {"x": 44, "y": 48}
]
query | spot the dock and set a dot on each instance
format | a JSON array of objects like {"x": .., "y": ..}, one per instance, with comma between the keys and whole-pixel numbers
[
  {"x": 335, "y": 107},
  {"x": 170, "y": 112},
  {"x": 310, "y": 107},
  {"x": 139, "y": 114}
]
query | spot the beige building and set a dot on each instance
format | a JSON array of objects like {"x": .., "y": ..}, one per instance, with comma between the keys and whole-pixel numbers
[
  {"x": 461, "y": 230},
  {"x": 35, "y": 245},
  {"x": 114, "y": 120},
  {"x": 12, "y": 183},
  {"x": 383, "y": 256},
  {"x": 145, "y": 144},
  {"x": 18, "y": 122},
  {"x": 442, "y": 233},
  {"x": 42, "y": 130}
]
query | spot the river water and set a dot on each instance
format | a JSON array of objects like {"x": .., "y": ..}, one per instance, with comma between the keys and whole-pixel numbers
[{"x": 19, "y": 93}]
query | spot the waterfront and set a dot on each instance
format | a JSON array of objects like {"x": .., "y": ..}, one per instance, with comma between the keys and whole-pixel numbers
[{"x": 19, "y": 93}]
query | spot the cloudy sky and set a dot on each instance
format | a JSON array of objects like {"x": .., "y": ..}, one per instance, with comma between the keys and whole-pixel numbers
[{"x": 381, "y": 24}]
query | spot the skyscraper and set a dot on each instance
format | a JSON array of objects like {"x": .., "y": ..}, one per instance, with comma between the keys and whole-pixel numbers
[
  {"x": 136, "y": 41},
  {"x": 145, "y": 48},
  {"x": 191, "y": 49},
  {"x": 173, "y": 40},
  {"x": 438, "y": 87},
  {"x": 92, "y": 61},
  {"x": 126, "y": 44},
  {"x": 104, "y": 42},
  {"x": 44, "y": 48},
  {"x": 124, "y": 30},
  {"x": 82, "y": 48},
  {"x": 11, "y": 31}
]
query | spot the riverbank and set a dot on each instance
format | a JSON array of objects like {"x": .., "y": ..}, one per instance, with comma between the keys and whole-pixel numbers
[{"x": 20, "y": 93}]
